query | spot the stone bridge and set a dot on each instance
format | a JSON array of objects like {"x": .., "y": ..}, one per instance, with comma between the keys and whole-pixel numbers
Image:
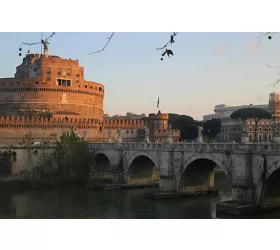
[{"x": 250, "y": 168}]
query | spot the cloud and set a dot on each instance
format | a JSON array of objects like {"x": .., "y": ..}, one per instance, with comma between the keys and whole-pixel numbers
[{"x": 222, "y": 49}]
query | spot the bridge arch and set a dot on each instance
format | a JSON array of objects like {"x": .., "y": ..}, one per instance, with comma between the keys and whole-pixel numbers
[
  {"x": 270, "y": 192},
  {"x": 105, "y": 154},
  {"x": 102, "y": 164},
  {"x": 142, "y": 168},
  {"x": 138, "y": 154},
  {"x": 197, "y": 173}
]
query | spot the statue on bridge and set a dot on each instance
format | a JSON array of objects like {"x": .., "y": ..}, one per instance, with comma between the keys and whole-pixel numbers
[
  {"x": 147, "y": 135},
  {"x": 119, "y": 138},
  {"x": 109, "y": 136},
  {"x": 244, "y": 128},
  {"x": 169, "y": 136},
  {"x": 200, "y": 134},
  {"x": 200, "y": 131}
]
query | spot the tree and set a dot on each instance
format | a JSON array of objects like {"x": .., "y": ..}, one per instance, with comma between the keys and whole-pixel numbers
[
  {"x": 251, "y": 113},
  {"x": 212, "y": 128},
  {"x": 186, "y": 124},
  {"x": 73, "y": 155}
]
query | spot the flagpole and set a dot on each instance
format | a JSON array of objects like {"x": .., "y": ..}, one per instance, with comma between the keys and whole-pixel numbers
[{"x": 158, "y": 104}]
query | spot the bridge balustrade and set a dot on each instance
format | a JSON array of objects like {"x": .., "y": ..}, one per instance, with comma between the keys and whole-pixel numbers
[{"x": 209, "y": 147}]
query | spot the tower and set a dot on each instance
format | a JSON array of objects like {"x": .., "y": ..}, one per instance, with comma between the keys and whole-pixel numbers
[
  {"x": 158, "y": 122},
  {"x": 273, "y": 106}
]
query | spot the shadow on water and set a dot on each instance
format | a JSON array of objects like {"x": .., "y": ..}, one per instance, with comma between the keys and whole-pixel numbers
[{"x": 78, "y": 202}]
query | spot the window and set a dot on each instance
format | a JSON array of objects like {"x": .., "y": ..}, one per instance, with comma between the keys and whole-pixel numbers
[
  {"x": 100, "y": 89},
  {"x": 48, "y": 70},
  {"x": 59, "y": 71},
  {"x": 269, "y": 137},
  {"x": 86, "y": 86},
  {"x": 77, "y": 73},
  {"x": 68, "y": 73},
  {"x": 250, "y": 129},
  {"x": 63, "y": 82},
  {"x": 260, "y": 129}
]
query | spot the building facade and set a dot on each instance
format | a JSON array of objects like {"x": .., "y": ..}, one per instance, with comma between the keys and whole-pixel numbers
[{"x": 231, "y": 129}]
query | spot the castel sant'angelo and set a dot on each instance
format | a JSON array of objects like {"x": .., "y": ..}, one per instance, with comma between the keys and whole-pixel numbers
[{"x": 49, "y": 95}]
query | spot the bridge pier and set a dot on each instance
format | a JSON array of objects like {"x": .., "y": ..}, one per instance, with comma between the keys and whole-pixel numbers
[{"x": 167, "y": 183}]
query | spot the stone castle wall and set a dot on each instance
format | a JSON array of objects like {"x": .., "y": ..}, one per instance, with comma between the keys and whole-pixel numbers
[
  {"x": 21, "y": 96},
  {"x": 53, "y": 84},
  {"x": 12, "y": 129}
]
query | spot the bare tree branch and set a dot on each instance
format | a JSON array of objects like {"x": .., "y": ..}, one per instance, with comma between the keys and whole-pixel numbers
[
  {"x": 276, "y": 68},
  {"x": 36, "y": 43},
  {"x": 273, "y": 84},
  {"x": 168, "y": 52},
  {"x": 273, "y": 67},
  {"x": 269, "y": 35},
  {"x": 170, "y": 41},
  {"x": 109, "y": 40},
  {"x": 30, "y": 44}
]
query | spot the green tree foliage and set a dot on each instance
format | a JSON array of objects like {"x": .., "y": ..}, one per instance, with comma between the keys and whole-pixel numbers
[
  {"x": 26, "y": 140},
  {"x": 251, "y": 113},
  {"x": 73, "y": 155},
  {"x": 186, "y": 124},
  {"x": 211, "y": 128}
]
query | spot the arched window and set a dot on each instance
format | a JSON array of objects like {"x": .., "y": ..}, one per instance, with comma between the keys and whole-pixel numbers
[{"x": 260, "y": 137}]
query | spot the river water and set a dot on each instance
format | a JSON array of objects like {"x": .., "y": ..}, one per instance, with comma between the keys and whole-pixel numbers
[{"x": 78, "y": 202}]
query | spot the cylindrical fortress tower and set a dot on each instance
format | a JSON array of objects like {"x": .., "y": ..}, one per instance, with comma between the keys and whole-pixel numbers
[{"x": 50, "y": 85}]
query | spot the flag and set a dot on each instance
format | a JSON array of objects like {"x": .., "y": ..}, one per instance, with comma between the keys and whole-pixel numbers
[{"x": 158, "y": 102}]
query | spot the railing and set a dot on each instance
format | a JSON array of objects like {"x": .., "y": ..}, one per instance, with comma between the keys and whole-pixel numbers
[
  {"x": 194, "y": 147},
  {"x": 191, "y": 147}
]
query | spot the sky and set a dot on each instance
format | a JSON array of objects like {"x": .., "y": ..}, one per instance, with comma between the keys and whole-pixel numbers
[{"x": 207, "y": 69}]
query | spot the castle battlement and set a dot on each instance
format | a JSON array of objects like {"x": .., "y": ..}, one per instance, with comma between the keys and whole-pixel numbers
[
  {"x": 35, "y": 121},
  {"x": 123, "y": 124},
  {"x": 158, "y": 116}
]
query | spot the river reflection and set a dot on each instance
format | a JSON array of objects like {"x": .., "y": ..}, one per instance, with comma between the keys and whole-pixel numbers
[
  {"x": 76, "y": 202},
  {"x": 84, "y": 203}
]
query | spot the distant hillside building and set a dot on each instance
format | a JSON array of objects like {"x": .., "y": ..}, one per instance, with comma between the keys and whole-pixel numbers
[{"x": 231, "y": 128}]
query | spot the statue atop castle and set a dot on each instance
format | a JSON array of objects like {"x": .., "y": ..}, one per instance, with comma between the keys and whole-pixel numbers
[{"x": 45, "y": 44}]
